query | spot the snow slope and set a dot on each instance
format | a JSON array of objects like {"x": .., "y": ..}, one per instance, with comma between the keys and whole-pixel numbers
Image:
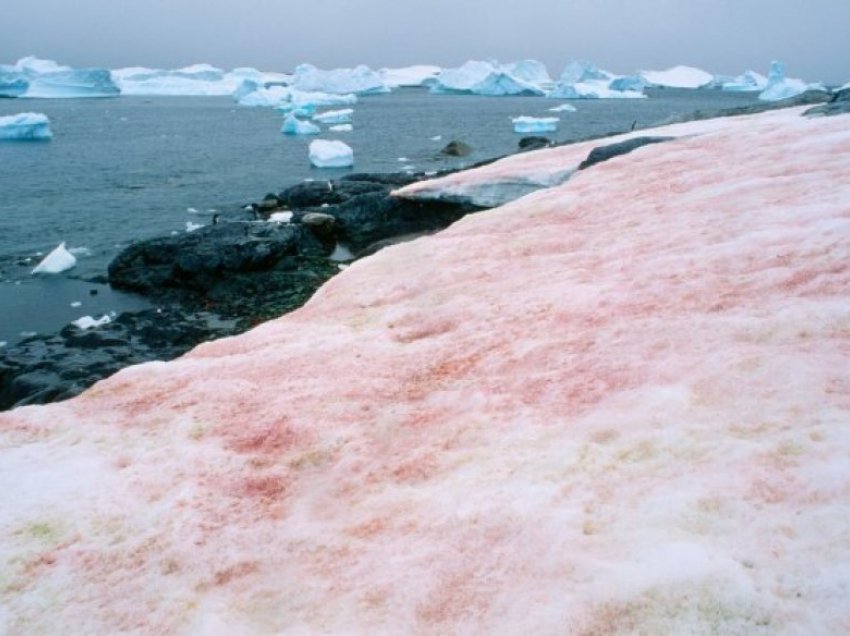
[{"x": 618, "y": 405}]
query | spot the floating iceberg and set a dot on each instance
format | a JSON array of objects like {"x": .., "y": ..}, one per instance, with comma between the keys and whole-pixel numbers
[
  {"x": 780, "y": 87},
  {"x": 535, "y": 124},
  {"x": 294, "y": 126},
  {"x": 530, "y": 71},
  {"x": 194, "y": 80},
  {"x": 335, "y": 116},
  {"x": 59, "y": 260},
  {"x": 627, "y": 83},
  {"x": 342, "y": 128},
  {"x": 360, "y": 80},
  {"x": 87, "y": 322},
  {"x": 748, "y": 81},
  {"x": 331, "y": 154},
  {"x": 678, "y": 77},
  {"x": 73, "y": 83},
  {"x": 563, "y": 108},
  {"x": 421, "y": 75},
  {"x": 25, "y": 127},
  {"x": 484, "y": 78},
  {"x": 12, "y": 83},
  {"x": 271, "y": 97},
  {"x": 583, "y": 80}
]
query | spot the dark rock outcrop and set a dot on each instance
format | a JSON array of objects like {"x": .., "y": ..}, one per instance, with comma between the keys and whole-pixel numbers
[
  {"x": 456, "y": 149},
  {"x": 533, "y": 143},
  {"x": 838, "y": 105},
  {"x": 604, "y": 153}
]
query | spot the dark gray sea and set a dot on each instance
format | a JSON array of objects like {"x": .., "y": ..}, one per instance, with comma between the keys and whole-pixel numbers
[{"x": 122, "y": 169}]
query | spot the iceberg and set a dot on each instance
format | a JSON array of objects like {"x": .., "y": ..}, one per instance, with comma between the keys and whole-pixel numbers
[
  {"x": 87, "y": 322},
  {"x": 360, "y": 80},
  {"x": 294, "y": 126},
  {"x": 47, "y": 79},
  {"x": 627, "y": 83},
  {"x": 563, "y": 108},
  {"x": 678, "y": 77},
  {"x": 73, "y": 83},
  {"x": 12, "y": 82},
  {"x": 25, "y": 127},
  {"x": 272, "y": 97},
  {"x": 747, "y": 81},
  {"x": 535, "y": 124},
  {"x": 305, "y": 99},
  {"x": 530, "y": 71},
  {"x": 342, "y": 128},
  {"x": 483, "y": 78},
  {"x": 421, "y": 75},
  {"x": 194, "y": 80},
  {"x": 59, "y": 260},
  {"x": 780, "y": 87},
  {"x": 331, "y": 154},
  {"x": 335, "y": 116},
  {"x": 583, "y": 80}
]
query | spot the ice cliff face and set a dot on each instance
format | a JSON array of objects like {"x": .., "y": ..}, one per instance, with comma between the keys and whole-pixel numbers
[
  {"x": 618, "y": 405},
  {"x": 360, "y": 80},
  {"x": 491, "y": 79}
]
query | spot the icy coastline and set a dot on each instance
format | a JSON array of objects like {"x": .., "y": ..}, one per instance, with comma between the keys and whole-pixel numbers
[{"x": 565, "y": 414}]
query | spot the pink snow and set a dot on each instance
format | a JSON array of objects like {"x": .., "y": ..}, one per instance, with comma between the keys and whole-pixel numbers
[{"x": 618, "y": 405}]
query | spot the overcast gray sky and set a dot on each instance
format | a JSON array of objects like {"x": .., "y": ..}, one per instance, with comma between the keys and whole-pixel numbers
[{"x": 722, "y": 36}]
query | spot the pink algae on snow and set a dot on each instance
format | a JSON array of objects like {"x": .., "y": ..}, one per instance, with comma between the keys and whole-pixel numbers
[{"x": 616, "y": 405}]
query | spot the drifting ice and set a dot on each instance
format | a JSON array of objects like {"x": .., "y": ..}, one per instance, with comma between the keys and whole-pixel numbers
[
  {"x": 583, "y": 80},
  {"x": 335, "y": 116},
  {"x": 87, "y": 322},
  {"x": 535, "y": 124},
  {"x": 342, "y": 128},
  {"x": 331, "y": 154},
  {"x": 563, "y": 108},
  {"x": 12, "y": 83},
  {"x": 678, "y": 77},
  {"x": 486, "y": 78},
  {"x": 25, "y": 127},
  {"x": 59, "y": 260},
  {"x": 410, "y": 76},
  {"x": 780, "y": 87},
  {"x": 360, "y": 80},
  {"x": 294, "y": 126}
]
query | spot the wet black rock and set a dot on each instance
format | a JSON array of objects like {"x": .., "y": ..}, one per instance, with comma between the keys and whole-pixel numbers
[
  {"x": 44, "y": 369},
  {"x": 456, "y": 149},
  {"x": 838, "y": 105},
  {"x": 533, "y": 143},
  {"x": 604, "y": 153}
]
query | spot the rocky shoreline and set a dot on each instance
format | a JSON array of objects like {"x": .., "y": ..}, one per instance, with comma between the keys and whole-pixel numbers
[{"x": 225, "y": 278}]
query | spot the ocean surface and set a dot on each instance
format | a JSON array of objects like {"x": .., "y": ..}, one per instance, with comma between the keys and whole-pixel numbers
[{"x": 122, "y": 169}]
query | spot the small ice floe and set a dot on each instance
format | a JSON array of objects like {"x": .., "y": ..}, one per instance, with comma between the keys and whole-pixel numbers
[
  {"x": 3, "y": 343},
  {"x": 535, "y": 124},
  {"x": 331, "y": 154},
  {"x": 437, "y": 138},
  {"x": 87, "y": 322},
  {"x": 335, "y": 116},
  {"x": 76, "y": 303},
  {"x": 402, "y": 159},
  {"x": 280, "y": 217},
  {"x": 408, "y": 168},
  {"x": 341, "y": 253},
  {"x": 563, "y": 108},
  {"x": 191, "y": 227},
  {"x": 294, "y": 126},
  {"x": 25, "y": 127},
  {"x": 212, "y": 211},
  {"x": 59, "y": 260},
  {"x": 342, "y": 128},
  {"x": 80, "y": 251},
  {"x": 28, "y": 334},
  {"x": 174, "y": 232},
  {"x": 325, "y": 205},
  {"x": 192, "y": 210}
]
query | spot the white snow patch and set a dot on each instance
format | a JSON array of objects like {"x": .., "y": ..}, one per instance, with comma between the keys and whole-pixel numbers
[{"x": 87, "y": 322}]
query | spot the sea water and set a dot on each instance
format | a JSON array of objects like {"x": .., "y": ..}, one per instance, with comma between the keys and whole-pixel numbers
[{"x": 123, "y": 169}]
